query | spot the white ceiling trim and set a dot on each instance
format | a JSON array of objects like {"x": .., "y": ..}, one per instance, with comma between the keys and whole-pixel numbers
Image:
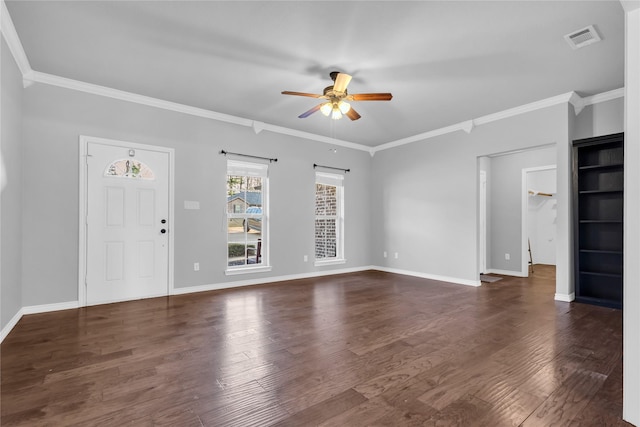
[
  {"x": 571, "y": 97},
  {"x": 466, "y": 126},
  {"x": 50, "y": 79},
  {"x": 31, "y": 76},
  {"x": 630, "y": 5},
  {"x": 316, "y": 137},
  {"x": 12, "y": 39},
  {"x": 604, "y": 96}
]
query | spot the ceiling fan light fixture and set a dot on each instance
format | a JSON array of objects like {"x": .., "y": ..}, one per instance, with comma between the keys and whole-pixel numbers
[
  {"x": 335, "y": 96},
  {"x": 326, "y": 108}
]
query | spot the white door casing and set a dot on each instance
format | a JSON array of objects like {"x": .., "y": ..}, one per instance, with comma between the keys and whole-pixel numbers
[
  {"x": 482, "y": 249},
  {"x": 124, "y": 252}
]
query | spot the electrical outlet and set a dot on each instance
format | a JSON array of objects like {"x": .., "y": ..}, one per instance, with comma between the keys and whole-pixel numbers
[
  {"x": 306, "y": 258},
  {"x": 507, "y": 256},
  {"x": 384, "y": 254},
  {"x": 196, "y": 266},
  {"x": 395, "y": 255}
]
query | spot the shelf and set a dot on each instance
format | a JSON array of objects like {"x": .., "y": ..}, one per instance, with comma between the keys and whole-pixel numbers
[
  {"x": 599, "y": 301},
  {"x": 600, "y": 221},
  {"x": 600, "y": 251},
  {"x": 611, "y": 275},
  {"x": 599, "y": 191},
  {"x": 601, "y": 167}
]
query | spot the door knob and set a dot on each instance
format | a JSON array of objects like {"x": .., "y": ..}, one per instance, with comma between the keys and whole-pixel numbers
[
  {"x": 163, "y": 231},
  {"x": 163, "y": 221}
]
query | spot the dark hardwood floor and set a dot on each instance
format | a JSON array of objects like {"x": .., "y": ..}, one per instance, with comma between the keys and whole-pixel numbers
[{"x": 367, "y": 348}]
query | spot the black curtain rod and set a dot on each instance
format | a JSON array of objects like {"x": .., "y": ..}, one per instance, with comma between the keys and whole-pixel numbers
[
  {"x": 248, "y": 155},
  {"x": 331, "y": 167}
]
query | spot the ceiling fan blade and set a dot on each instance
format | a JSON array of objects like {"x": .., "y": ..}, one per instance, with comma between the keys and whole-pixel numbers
[
  {"x": 341, "y": 83},
  {"x": 312, "y": 95},
  {"x": 310, "y": 112},
  {"x": 371, "y": 97},
  {"x": 353, "y": 114}
]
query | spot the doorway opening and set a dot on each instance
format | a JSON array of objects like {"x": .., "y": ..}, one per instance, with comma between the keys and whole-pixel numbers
[{"x": 539, "y": 217}]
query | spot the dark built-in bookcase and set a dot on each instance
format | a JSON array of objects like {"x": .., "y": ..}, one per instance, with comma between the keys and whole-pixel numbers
[{"x": 598, "y": 179}]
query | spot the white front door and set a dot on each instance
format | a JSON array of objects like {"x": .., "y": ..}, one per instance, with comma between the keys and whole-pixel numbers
[{"x": 127, "y": 246}]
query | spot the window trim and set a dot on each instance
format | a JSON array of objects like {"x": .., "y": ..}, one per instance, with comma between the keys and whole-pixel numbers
[
  {"x": 337, "y": 181},
  {"x": 240, "y": 168}
]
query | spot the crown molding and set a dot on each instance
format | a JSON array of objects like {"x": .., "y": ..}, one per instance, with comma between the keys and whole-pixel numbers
[
  {"x": 63, "y": 82},
  {"x": 630, "y": 5},
  {"x": 604, "y": 96},
  {"x": 52, "y": 80},
  {"x": 30, "y": 77},
  {"x": 423, "y": 136},
  {"x": 13, "y": 41},
  {"x": 572, "y": 98},
  {"x": 469, "y": 125},
  {"x": 315, "y": 137},
  {"x": 577, "y": 101}
]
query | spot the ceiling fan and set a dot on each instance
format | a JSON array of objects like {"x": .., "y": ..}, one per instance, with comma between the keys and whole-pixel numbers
[{"x": 336, "y": 97}]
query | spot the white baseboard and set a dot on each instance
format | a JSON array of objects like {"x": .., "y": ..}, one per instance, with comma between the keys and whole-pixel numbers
[
  {"x": 45, "y": 308},
  {"x": 455, "y": 280},
  {"x": 9, "y": 326},
  {"x": 506, "y": 272},
  {"x": 251, "y": 282},
  {"x": 34, "y": 309},
  {"x": 564, "y": 297}
]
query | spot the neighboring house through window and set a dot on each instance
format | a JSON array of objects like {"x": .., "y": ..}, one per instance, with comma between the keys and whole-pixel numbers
[
  {"x": 247, "y": 219},
  {"x": 329, "y": 219}
]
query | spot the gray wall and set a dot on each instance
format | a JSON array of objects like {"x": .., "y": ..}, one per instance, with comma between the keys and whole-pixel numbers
[
  {"x": 11, "y": 203},
  {"x": 53, "y": 120},
  {"x": 424, "y": 194},
  {"x": 422, "y": 197},
  {"x": 600, "y": 119},
  {"x": 505, "y": 199}
]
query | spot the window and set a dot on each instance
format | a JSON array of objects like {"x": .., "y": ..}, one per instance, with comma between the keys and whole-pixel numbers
[
  {"x": 247, "y": 249},
  {"x": 329, "y": 220},
  {"x": 129, "y": 168}
]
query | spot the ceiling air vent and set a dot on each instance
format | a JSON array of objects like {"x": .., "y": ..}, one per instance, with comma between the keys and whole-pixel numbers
[{"x": 583, "y": 37}]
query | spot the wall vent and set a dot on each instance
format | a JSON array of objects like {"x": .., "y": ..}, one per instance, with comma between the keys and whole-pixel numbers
[{"x": 582, "y": 37}]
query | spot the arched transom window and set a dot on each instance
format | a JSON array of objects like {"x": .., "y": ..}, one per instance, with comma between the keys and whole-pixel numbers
[{"x": 129, "y": 168}]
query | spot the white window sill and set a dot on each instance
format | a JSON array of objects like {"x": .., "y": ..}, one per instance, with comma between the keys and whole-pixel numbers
[
  {"x": 247, "y": 270},
  {"x": 330, "y": 261}
]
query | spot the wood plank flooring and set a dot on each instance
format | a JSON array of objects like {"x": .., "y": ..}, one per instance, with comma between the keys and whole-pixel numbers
[{"x": 359, "y": 349}]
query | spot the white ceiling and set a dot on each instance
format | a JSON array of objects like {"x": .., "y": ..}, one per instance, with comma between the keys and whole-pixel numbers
[{"x": 444, "y": 61}]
